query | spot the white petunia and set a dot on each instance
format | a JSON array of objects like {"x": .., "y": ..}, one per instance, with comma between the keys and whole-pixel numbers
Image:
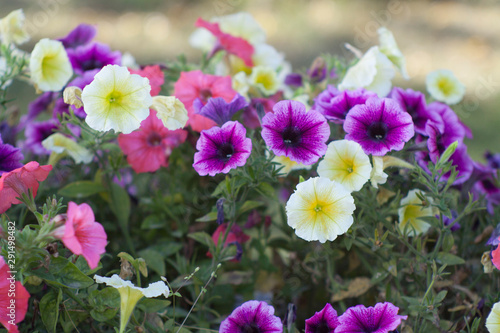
[
  {"x": 60, "y": 144},
  {"x": 444, "y": 86},
  {"x": 389, "y": 47},
  {"x": 411, "y": 212},
  {"x": 13, "y": 28},
  {"x": 170, "y": 111}
]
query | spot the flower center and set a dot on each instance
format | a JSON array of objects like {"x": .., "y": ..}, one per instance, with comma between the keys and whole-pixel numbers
[
  {"x": 292, "y": 136},
  {"x": 205, "y": 94},
  {"x": 154, "y": 139},
  {"x": 446, "y": 86},
  {"x": 322, "y": 328},
  {"x": 114, "y": 97},
  {"x": 317, "y": 209},
  {"x": 225, "y": 151},
  {"x": 91, "y": 64},
  {"x": 250, "y": 328},
  {"x": 377, "y": 131}
]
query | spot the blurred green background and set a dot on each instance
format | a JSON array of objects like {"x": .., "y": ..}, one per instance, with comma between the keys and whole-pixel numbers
[{"x": 462, "y": 36}]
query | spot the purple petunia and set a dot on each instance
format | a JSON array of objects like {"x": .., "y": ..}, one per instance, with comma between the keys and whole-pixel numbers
[
  {"x": 379, "y": 126},
  {"x": 293, "y": 80},
  {"x": 414, "y": 103},
  {"x": 335, "y": 105},
  {"x": 35, "y": 133},
  {"x": 81, "y": 35},
  {"x": 451, "y": 220},
  {"x": 221, "y": 149},
  {"x": 486, "y": 185},
  {"x": 381, "y": 318},
  {"x": 324, "y": 321},
  {"x": 252, "y": 316},
  {"x": 10, "y": 157},
  {"x": 92, "y": 56},
  {"x": 292, "y": 132},
  {"x": 218, "y": 109}
]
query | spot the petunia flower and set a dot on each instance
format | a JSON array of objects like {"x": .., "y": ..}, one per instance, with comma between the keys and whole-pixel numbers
[
  {"x": 493, "y": 319},
  {"x": 81, "y": 35},
  {"x": 381, "y": 318},
  {"x": 13, "y": 28},
  {"x": 231, "y": 44},
  {"x": 50, "y": 67},
  {"x": 82, "y": 235},
  {"x": 374, "y": 72},
  {"x": 170, "y": 111},
  {"x": 14, "y": 305},
  {"x": 116, "y": 100},
  {"x": 197, "y": 85},
  {"x": 219, "y": 111},
  {"x": 252, "y": 316},
  {"x": 414, "y": 103},
  {"x": 444, "y": 86},
  {"x": 59, "y": 145},
  {"x": 291, "y": 131},
  {"x": 287, "y": 165},
  {"x": 130, "y": 294},
  {"x": 320, "y": 209},
  {"x": 92, "y": 56},
  {"x": 235, "y": 236},
  {"x": 335, "y": 104},
  {"x": 10, "y": 157},
  {"x": 79, "y": 82},
  {"x": 379, "y": 126},
  {"x": 155, "y": 76},
  {"x": 347, "y": 164},
  {"x": 265, "y": 79},
  {"x": 411, "y": 212},
  {"x": 221, "y": 149},
  {"x": 149, "y": 147},
  {"x": 17, "y": 182},
  {"x": 324, "y": 321},
  {"x": 389, "y": 47},
  {"x": 36, "y": 132}
]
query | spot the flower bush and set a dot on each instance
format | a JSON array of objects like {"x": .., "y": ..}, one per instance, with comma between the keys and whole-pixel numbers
[{"x": 250, "y": 197}]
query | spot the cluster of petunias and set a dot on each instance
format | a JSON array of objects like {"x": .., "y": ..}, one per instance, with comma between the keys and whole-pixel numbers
[{"x": 258, "y": 316}]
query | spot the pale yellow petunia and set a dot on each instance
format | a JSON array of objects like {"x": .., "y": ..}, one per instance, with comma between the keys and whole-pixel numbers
[
  {"x": 444, "y": 86},
  {"x": 411, "y": 212},
  {"x": 170, "y": 111}
]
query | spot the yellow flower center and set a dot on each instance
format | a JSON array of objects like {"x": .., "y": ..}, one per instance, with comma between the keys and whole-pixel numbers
[
  {"x": 446, "y": 86},
  {"x": 114, "y": 97},
  {"x": 317, "y": 209},
  {"x": 265, "y": 79},
  {"x": 49, "y": 67}
]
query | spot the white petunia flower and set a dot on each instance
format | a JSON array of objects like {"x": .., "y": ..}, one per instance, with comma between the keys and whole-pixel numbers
[
  {"x": 60, "y": 144},
  {"x": 411, "y": 212},
  {"x": 389, "y": 47},
  {"x": 374, "y": 71},
  {"x": 444, "y": 86},
  {"x": 116, "y": 100},
  {"x": 493, "y": 320},
  {"x": 265, "y": 79},
  {"x": 288, "y": 165},
  {"x": 171, "y": 111},
  {"x": 13, "y": 28},
  {"x": 378, "y": 176}
]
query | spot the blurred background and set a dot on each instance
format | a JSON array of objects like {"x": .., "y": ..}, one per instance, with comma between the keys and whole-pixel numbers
[{"x": 462, "y": 36}]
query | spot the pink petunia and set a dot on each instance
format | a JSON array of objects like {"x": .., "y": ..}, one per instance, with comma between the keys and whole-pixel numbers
[
  {"x": 17, "y": 182},
  {"x": 195, "y": 85},
  {"x": 155, "y": 76},
  {"x": 82, "y": 235},
  {"x": 149, "y": 147},
  {"x": 13, "y": 299},
  {"x": 233, "y": 45}
]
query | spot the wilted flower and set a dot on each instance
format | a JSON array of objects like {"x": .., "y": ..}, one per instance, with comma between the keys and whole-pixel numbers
[
  {"x": 346, "y": 163},
  {"x": 130, "y": 294},
  {"x": 50, "y": 67},
  {"x": 412, "y": 210},
  {"x": 374, "y": 72},
  {"x": 170, "y": 111},
  {"x": 292, "y": 132},
  {"x": 60, "y": 144},
  {"x": 320, "y": 209},
  {"x": 444, "y": 86},
  {"x": 116, "y": 100},
  {"x": 252, "y": 316},
  {"x": 221, "y": 149},
  {"x": 13, "y": 28},
  {"x": 324, "y": 321},
  {"x": 381, "y": 318}
]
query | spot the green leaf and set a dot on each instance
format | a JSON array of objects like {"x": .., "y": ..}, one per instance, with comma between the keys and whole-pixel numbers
[
  {"x": 151, "y": 305},
  {"x": 153, "y": 222},
  {"x": 154, "y": 260},
  {"x": 267, "y": 190},
  {"x": 106, "y": 303},
  {"x": 203, "y": 238},
  {"x": 81, "y": 189},
  {"x": 83, "y": 266},
  {"x": 120, "y": 205},
  {"x": 449, "y": 259},
  {"x": 212, "y": 216},
  {"x": 49, "y": 309},
  {"x": 249, "y": 205},
  {"x": 62, "y": 273}
]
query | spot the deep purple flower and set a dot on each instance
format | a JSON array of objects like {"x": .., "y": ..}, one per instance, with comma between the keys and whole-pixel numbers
[
  {"x": 93, "y": 56},
  {"x": 10, "y": 157},
  {"x": 252, "y": 317},
  {"x": 8, "y": 133},
  {"x": 493, "y": 160},
  {"x": 379, "y": 126},
  {"x": 486, "y": 185},
  {"x": 382, "y": 318},
  {"x": 40, "y": 104},
  {"x": 81, "y": 35},
  {"x": 293, "y": 80},
  {"x": 291, "y": 131},
  {"x": 324, "y": 321},
  {"x": 414, "y": 103},
  {"x": 494, "y": 240},
  {"x": 451, "y": 220},
  {"x": 80, "y": 81},
  {"x": 35, "y": 133},
  {"x": 317, "y": 71},
  {"x": 335, "y": 105},
  {"x": 218, "y": 110},
  {"x": 221, "y": 149}
]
